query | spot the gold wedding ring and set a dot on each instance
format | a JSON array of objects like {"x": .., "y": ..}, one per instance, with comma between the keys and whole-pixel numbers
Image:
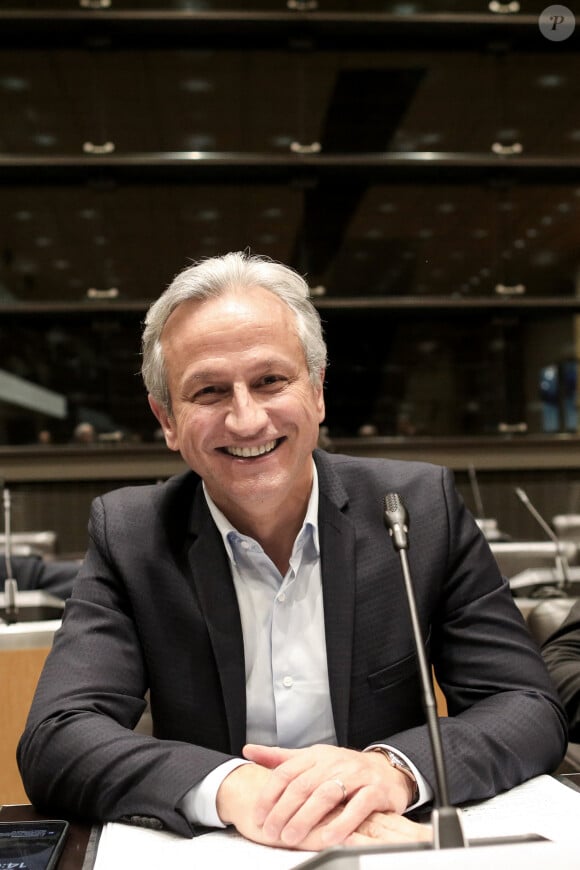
[{"x": 342, "y": 787}]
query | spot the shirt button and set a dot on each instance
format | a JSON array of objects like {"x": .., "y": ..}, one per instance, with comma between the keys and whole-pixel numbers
[
  {"x": 281, "y": 597},
  {"x": 246, "y": 545},
  {"x": 288, "y": 682}
]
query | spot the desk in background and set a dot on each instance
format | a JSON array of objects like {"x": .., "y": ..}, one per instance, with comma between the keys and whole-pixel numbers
[{"x": 23, "y": 650}]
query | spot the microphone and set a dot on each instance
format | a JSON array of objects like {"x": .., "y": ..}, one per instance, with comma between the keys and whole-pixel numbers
[
  {"x": 488, "y": 525},
  {"x": 445, "y": 818},
  {"x": 10, "y": 585},
  {"x": 562, "y": 566},
  {"x": 476, "y": 491}
]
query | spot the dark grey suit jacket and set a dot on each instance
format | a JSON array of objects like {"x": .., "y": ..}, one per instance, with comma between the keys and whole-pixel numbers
[
  {"x": 562, "y": 654},
  {"x": 154, "y": 608}
]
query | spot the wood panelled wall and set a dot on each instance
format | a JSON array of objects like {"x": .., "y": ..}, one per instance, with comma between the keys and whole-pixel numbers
[{"x": 63, "y": 505}]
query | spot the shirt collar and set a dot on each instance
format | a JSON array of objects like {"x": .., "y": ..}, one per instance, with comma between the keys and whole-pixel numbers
[{"x": 225, "y": 528}]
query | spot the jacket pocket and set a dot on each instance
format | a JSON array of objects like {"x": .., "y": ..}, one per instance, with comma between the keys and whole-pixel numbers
[{"x": 399, "y": 672}]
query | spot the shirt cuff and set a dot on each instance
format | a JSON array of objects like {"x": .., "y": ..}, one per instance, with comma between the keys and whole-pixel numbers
[
  {"x": 198, "y": 805},
  {"x": 425, "y": 792}
]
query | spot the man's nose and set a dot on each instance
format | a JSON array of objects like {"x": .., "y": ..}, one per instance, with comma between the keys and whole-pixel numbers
[{"x": 246, "y": 415}]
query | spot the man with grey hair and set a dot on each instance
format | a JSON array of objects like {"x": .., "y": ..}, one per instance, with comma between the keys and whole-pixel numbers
[{"x": 258, "y": 600}]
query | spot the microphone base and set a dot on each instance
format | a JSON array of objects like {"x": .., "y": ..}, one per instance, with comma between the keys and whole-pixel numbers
[
  {"x": 447, "y": 828},
  {"x": 30, "y": 606},
  {"x": 355, "y": 857}
]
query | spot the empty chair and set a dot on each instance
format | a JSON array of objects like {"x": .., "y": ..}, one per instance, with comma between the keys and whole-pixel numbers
[
  {"x": 567, "y": 526},
  {"x": 545, "y": 618}
]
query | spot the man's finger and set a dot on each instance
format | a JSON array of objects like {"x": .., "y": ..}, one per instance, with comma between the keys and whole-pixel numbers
[{"x": 293, "y": 822}]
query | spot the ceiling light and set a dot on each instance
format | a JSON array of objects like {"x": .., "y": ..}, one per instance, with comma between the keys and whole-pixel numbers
[
  {"x": 543, "y": 258},
  {"x": 199, "y": 142},
  {"x": 13, "y": 83},
  {"x": 281, "y": 141},
  {"x": 430, "y": 138},
  {"x": 207, "y": 215},
  {"x": 45, "y": 139},
  {"x": 551, "y": 80},
  {"x": 197, "y": 86}
]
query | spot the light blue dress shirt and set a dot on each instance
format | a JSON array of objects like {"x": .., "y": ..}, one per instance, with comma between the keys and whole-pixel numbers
[{"x": 287, "y": 690}]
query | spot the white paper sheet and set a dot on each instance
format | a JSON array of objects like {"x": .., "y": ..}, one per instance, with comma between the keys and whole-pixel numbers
[
  {"x": 542, "y": 805},
  {"x": 125, "y": 846}
]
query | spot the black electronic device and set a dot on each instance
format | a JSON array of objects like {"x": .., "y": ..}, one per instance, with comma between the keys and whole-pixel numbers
[{"x": 32, "y": 845}]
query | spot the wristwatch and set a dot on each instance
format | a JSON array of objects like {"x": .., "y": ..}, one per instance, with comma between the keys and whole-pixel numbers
[{"x": 398, "y": 762}]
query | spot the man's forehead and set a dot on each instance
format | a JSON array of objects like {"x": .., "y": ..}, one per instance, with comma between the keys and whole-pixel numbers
[{"x": 241, "y": 305}]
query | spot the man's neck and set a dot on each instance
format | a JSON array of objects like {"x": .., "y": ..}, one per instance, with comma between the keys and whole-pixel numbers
[
  {"x": 275, "y": 530},
  {"x": 276, "y": 536}
]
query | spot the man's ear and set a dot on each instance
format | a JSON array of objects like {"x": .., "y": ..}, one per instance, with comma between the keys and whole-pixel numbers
[{"x": 166, "y": 422}]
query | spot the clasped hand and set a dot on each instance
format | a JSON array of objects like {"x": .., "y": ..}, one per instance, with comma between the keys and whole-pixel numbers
[{"x": 317, "y": 797}]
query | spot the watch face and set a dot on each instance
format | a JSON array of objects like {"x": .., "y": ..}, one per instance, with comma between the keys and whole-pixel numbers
[
  {"x": 400, "y": 764},
  {"x": 397, "y": 761}
]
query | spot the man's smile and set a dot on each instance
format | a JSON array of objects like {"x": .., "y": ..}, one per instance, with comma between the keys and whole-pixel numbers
[{"x": 254, "y": 450}]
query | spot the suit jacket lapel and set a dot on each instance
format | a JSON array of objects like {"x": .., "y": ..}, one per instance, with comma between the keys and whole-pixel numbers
[
  {"x": 337, "y": 551},
  {"x": 216, "y": 593},
  {"x": 217, "y": 596}
]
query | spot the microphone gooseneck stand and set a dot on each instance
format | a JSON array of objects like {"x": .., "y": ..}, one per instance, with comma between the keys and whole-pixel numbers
[
  {"x": 445, "y": 818},
  {"x": 10, "y": 585},
  {"x": 562, "y": 567}
]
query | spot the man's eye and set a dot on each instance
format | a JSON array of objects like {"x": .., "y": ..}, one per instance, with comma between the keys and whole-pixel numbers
[
  {"x": 206, "y": 394},
  {"x": 270, "y": 380}
]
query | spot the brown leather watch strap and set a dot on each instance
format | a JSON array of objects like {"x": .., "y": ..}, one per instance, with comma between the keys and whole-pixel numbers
[{"x": 400, "y": 764}]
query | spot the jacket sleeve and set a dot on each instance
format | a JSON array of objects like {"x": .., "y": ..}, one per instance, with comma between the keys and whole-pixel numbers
[
  {"x": 505, "y": 722},
  {"x": 78, "y": 755}
]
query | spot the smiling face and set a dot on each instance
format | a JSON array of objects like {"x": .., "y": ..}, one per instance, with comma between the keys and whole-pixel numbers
[{"x": 245, "y": 414}]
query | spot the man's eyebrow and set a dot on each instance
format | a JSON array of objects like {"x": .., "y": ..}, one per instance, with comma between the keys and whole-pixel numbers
[
  {"x": 205, "y": 375},
  {"x": 213, "y": 374}
]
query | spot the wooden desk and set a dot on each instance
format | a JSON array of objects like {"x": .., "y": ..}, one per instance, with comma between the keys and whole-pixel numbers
[
  {"x": 23, "y": 650},
  {"x": 75, "y": 850}
]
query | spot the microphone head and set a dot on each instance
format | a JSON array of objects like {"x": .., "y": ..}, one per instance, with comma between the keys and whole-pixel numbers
[
  {"x": 396, "y": 519},
  {"x": 522, "y": 495},
  {"x": 395, "y": 509}
]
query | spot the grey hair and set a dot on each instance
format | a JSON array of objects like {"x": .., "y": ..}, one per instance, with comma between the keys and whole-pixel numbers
[{"x": 213, "y": 277}]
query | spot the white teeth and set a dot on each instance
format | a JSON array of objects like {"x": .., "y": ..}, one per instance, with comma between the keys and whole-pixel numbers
[{"x": 251, "y": 451}]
